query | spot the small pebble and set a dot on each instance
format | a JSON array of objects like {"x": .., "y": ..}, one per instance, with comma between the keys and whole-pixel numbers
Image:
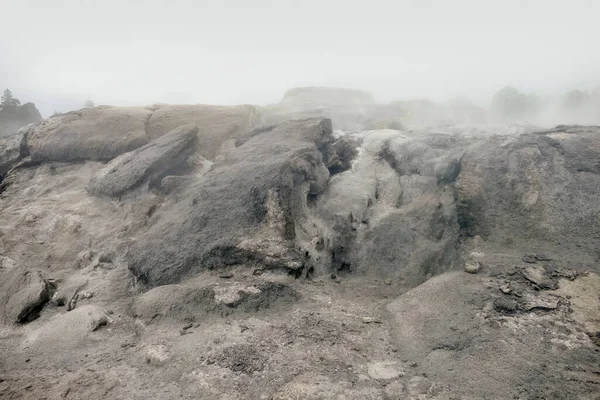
[{"x": 472, "y": 267}]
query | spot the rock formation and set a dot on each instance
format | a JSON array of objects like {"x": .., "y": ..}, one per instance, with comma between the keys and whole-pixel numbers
[{"x": 168, "y": 251}]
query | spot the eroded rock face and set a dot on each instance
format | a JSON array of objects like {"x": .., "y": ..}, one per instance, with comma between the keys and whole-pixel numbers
[
  {"x": 22, "y": 294},
  {"x": 216, "y": 124},
  {"x": 535, "y": 190},
  {"x": 380, "y": 212},
  {"x": 13, "y": 148},
  {"x": 151, "y": 162},
  {"x": 249, "y": 207},
  {"x": 99, "y": 133},
  {"x": 391, "y": 215}
]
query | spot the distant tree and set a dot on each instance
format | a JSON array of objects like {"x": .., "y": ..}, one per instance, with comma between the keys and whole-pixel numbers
[
  {"x": 509, "y": 103},
  {"x": 8, "y": 100},
  {"x": 89, "y": 104},
  {"x": 575, "y": 99}
]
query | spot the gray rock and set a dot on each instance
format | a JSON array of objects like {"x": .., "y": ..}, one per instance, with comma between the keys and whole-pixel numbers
[
  {"x": 505, "y": 305},
  {"x": 542, "y": 302},
  {"x": 249, "y": 208},
  {"x": 99, "y": 133},
  {"x": 150, "y": 162},
  {"x": 22, "y": 293},
  {"x": 174, "y": 183},
  {"x": 107, "y": 257},
  {"x": 472, "y": 266},
  {"x": 66, "y": 331},
  {"x": 533, "y": 190},
  {"x": 537, "y": 275},
  {"x": 445, "y": 326},
  {"x": 12, "y": 149},
  {"x": 216, "y": 124},
  {"x": 387, "y": 216},
  {"x": 66, "y": 292}
]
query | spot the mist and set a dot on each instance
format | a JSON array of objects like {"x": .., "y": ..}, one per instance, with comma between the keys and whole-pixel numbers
[{"x": 61, "y": 53}]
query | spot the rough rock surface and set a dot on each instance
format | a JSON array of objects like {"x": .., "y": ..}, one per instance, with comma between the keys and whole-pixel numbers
[
  {"x": 308, "y": 264},
  {"x": 249, "y": 208},
  {"x": 99, "y": 133},
  {"x": 535, "y": 190},
  {"x": 392, "y": 207},
  {"x": 22, "y": 294},
  {"x": 448, "y": 328},
  {"x": 13, "y": 148},
  {"x": 216, "y": 124},
  {"x": 66, "y": 331},
  {"x": 151, "y": 162}
]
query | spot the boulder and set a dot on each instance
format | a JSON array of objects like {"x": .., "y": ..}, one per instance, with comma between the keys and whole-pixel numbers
[
  {"x": 22, "y": 294},
  {"x": 66, "y": 331},
  {"x": 390, "y": 215},
  {"x": 216, "y": 124},
  {"x": 249, "y": 208},
  {"x": 13, "y": 148},
  {"x": 151, "y": 162},
  {"x": 99, "y": 133},
  {"x": 534, "y": 191}
]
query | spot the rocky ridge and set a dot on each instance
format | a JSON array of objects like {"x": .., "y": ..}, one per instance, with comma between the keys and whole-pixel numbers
[{"x": 294, "y": 261}]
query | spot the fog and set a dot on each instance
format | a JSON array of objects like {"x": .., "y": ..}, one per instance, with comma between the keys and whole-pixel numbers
[{"x": 59, "y": 53}]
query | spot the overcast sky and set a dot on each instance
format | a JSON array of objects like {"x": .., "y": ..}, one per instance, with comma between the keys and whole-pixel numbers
[{"x": 57, "y": 53}]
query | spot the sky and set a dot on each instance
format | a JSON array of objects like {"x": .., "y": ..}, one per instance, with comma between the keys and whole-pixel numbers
[{"x": 59, "y": 53}]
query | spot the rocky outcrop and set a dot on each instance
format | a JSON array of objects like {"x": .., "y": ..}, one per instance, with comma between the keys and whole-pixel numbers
[
  {"x": 216, "y": 124},
  {"x": 392, "y": 207},
  {"x": 13, "y": 148},
  {"x": 99, "y": 133},
  {"x": 301, "y": 262},
  {"x": 152, "y": 162},
  {"x": 12, "y": 118},
  {"x": 249, "y": 208},
  {"x": 22, "y": 294},
  {"x": 535, "y": 190}
]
